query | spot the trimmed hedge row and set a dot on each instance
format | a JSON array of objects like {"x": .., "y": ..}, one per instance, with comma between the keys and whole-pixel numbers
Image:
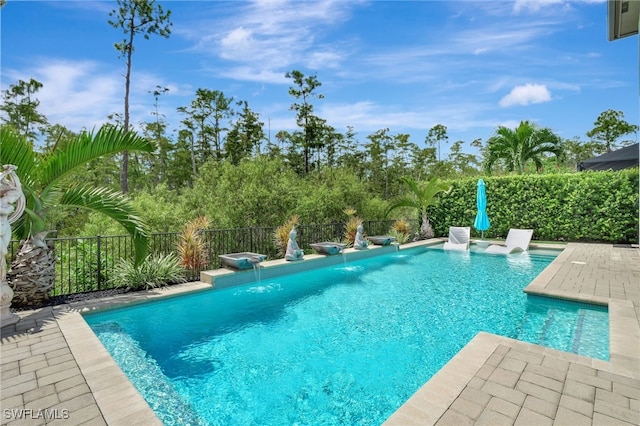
[{"x": 587, "y": 206}]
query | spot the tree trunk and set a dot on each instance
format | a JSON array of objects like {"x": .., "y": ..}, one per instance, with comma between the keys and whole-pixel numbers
[
  {"x": 124, "y": 173},
  {"x": 426, "y": 230},
  {"x": 33, "y": 272}
]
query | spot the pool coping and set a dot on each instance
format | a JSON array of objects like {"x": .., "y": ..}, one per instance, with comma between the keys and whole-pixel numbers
[{"x": 120, "y": 402}]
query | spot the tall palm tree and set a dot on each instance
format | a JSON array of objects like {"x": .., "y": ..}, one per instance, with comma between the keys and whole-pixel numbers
[
  {"x": 516, "y": 147},
  {"x": 422, "y": 196},
  {"x": 43, "y": 182}
]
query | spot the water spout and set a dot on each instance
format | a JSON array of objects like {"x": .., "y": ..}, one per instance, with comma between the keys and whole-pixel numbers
[{"x": 256, "y": 270}]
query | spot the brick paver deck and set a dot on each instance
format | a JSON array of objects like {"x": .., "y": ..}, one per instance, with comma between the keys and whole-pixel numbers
[{"x": 55, "y": 371}]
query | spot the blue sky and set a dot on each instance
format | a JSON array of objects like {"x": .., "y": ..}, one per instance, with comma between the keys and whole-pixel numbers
[{"x": 402, "y": 65}]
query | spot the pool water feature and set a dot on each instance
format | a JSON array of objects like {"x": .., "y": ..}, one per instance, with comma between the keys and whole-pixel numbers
[{"x": 339, "y": 345}]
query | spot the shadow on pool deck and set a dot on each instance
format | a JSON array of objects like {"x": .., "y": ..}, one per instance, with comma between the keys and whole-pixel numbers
[{"x": 55, "y": 371}]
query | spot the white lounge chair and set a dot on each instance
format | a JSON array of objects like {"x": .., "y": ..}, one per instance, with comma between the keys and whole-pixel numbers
[
  {"x": 458, "y": 238},
  {"x": 517, "y": 240}
]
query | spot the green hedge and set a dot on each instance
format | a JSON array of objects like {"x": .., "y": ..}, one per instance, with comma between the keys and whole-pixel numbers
[{"x": 587, "y": 206}]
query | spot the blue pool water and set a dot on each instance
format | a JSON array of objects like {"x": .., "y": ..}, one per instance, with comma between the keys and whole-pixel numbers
[{"x": 346, "y": 344}]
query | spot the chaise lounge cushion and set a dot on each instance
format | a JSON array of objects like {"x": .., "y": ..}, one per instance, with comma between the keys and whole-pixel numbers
[
  {"x": 459, "y": 237},
  {"x": 517, "y": 240}
]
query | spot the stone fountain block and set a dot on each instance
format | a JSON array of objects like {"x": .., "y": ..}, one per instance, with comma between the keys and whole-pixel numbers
[
  {"x": 329, "y": 248},
  {"x": 381, "y": 240},
  {"x": 242, "y": 260}
]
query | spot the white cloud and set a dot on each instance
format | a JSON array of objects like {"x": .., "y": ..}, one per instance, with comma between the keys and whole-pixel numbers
[
  {"x": 237, "y": 43},
  {"x": 324, "y": 59},
  {"x": 534, "y": 5},
  {"x": 268, "y": 37},
  {"x": 525, "y": 95},
  {"x": 505, "y": 37},
  {"x": 247, "y": 73},
  {"x": 368, "y": 116},
  {"x": 76, "y": 94},
  {"x": 537, "y": 5},
  {"x": 509, "y": 124},
  {"x": 81, "y": 94}
]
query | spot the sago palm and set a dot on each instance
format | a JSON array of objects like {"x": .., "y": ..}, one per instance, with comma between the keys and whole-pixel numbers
[
  {"x": 43, "y": 182},
  {"x": 422, "y": 196},
  {"x": 517, "y": 147}
]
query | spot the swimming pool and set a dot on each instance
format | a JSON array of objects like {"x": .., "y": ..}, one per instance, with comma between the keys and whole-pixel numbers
[{"x": 342, "y": 345}]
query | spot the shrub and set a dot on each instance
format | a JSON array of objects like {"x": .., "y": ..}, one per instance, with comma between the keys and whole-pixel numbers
[
  {"x": 77, "y": 267},
  {"x": 588, "y": 206},
  {"x": 401, "y": 230},
  {"x": 259, "y": 192},
  {"x": 191, "y": 249},
  {"x": 162, "y": 212},
  {"x": 154, "y": 271}
]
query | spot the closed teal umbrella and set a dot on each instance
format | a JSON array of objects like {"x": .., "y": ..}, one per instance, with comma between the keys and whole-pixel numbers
[{"x": 482, "y": 220}]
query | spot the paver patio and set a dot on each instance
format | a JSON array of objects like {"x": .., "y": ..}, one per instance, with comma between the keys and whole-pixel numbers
[{"x": 55, "y": 371}]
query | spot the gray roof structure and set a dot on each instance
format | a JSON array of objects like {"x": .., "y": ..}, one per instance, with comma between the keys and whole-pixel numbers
[{"x": 623, "y": 158}]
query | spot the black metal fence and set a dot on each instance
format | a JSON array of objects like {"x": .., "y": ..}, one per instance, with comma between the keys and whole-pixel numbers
[{"x": 83, "y": 264}]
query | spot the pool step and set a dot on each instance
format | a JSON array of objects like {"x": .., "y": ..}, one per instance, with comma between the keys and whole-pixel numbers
[
  {"x": 581, "y": 331},
  {"x": 577, "y": 336},
  {"x": 549, "y": 327},
  {"x": 543, "y": 327}
]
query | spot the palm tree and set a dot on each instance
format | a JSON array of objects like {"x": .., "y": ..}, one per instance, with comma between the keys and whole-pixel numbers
[
  {"x": 43, "y": 182},
  {"x": 422, "y": 197},
  {"x": 517, "y": 147}
]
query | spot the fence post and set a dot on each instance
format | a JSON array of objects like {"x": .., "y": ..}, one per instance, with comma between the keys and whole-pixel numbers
[
  {"x": 99, "y": 272},
  {"x": 251, "y": 239}
]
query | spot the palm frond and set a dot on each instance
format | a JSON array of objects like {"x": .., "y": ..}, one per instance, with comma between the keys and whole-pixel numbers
[
  {"x": 433, "y": 188},
  {"x": 33, "y": 221},
  {"x": 423, "y": 195},
  {"x": 15, "y": 149},
  {"x": 413, "y": 186},
  {"x": 516, "y": 147},
  {"x": 89, "y": 146},
  {"x": 114, "y": 205},
  {"x": 30, "y": 223},
  {"x": 403, "y": 202}
]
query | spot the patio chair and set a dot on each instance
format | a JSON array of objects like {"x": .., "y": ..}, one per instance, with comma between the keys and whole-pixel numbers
[
  {"x": 517, "y": 240},
  {"x": 458, "y": 238}
]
